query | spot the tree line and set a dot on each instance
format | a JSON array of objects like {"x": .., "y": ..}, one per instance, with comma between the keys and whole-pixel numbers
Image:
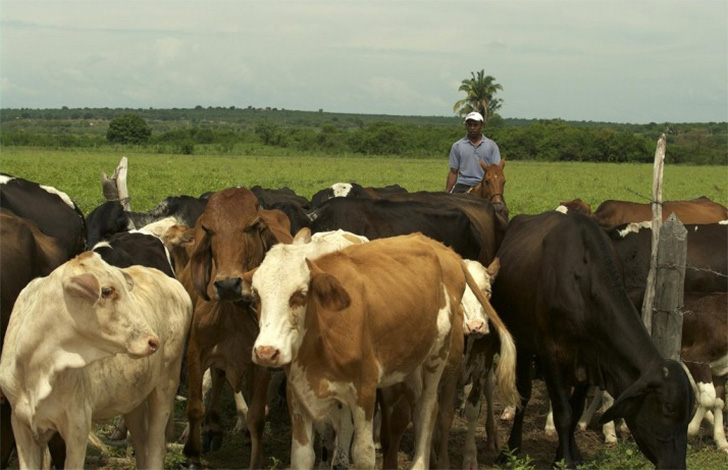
[{"x": 249, "y": 131}]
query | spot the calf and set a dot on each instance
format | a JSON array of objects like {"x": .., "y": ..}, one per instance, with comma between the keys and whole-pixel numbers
[
  {"x": 560, "y": 294},
  {"x": 89, "y": 342},
  {"x": 335, "y": 325}
]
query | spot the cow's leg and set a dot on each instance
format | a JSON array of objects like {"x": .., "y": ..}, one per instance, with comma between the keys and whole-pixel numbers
[
  {"x": 720, "y": 401},
  {"x": 396, "y": 403},
  {"x": 30, "y": 454},
  {"x": 7, "y": 440},
  {"x": 302, "y": 453},
  {"x": 492, "y": 441},
  {"x": 195, "y": 408},
  {"x": 160, "y": 409},
  {"x": 256, "y": 413},
  {"x": 549, "y": 428},
  {"x": 445, "y": 415},
  {"x": 567, "y": 411},
  {"x": 241, "y": 408},
  {"x": 74, "y": 428},
  {"x": 136, "y": 422},
  {"x": 524, "y": 386},
  {"x": 344, "y": 434},
  {"x": 425, "y": 412},
  {"x": 211, "y": 428},
  {"x": 362, "y": 448}
]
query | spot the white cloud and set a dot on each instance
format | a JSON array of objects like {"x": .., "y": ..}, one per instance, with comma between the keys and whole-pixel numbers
[{"x": 592, "y": 60}]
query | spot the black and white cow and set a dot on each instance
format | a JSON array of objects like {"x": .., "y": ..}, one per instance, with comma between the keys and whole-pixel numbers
[
  {"x": 50, "y": 209},
  {"x": 110, "y": 217}
]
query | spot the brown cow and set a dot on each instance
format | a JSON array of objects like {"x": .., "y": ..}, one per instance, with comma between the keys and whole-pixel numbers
[
  {"x": 335, "y": 325},
  {"x": 695, "y": 211},
  {"x": 26, "y": 253},
  {"x": 231, "y": 237}
]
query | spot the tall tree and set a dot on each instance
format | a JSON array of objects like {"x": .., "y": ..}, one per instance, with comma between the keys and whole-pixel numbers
[{"x": 480, "y": 90}]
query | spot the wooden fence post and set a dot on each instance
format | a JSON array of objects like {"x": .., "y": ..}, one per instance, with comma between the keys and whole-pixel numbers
[
  {"x": 656, "y": 223},
  {"x": 667, "y": 316}
]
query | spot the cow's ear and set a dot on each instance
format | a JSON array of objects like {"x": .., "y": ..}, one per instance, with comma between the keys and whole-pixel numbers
[
  {"x": 201, "y": 265},
  {"x": 628, "y": 402},
  {"x": 493, "y": 269},
  {"x": 248, "y": 282},
  {"x": 129, "y": 280},
  {"x": 327, "y": 290},
  {"x": 85, "y": 287},
  {"x": 302, "y": 237}
]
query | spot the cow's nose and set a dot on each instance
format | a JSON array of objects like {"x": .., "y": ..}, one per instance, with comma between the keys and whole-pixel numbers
[
  {"x": 153, "y": 344},
  {"x": 230, "y": 288},
  {"x": 266, "y": 355}
]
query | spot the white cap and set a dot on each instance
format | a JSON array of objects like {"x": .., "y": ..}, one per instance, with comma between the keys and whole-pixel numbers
[{"x": 474, "y": 116}]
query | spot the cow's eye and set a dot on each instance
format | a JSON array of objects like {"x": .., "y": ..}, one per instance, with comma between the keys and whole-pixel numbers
[
  {"x": 298, "y": 299},
  {"x": 107, "y": 292}
]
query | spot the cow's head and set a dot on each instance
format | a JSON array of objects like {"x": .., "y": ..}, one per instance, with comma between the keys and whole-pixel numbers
[
  {"x": 475, "y": 319},
  {"x": 98, "y": 298},
  {"x": 657, "y": 409},
  {"x": 283, "y": 286},
  {"x": 232, "y": 237}
]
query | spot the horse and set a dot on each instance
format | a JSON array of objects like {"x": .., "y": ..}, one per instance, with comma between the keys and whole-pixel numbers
[{"x": 492, "y": 186}]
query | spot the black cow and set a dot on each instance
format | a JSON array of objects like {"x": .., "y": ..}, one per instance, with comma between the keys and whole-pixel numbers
[
  {"x": 379, "y": 218},
  {"x": 51, "y": 210},
  {"x": 706, "y": 263},
  {"x": 354, "y": 190},
  {"x": 287, "y": 201},
  {"x": 126, "y": 249},
  {"x": 110, "y": 218},
  {"x": 561, "y": 297}
]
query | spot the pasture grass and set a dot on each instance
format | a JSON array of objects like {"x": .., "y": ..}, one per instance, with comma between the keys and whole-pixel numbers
[{"x": 532, "y": 187}]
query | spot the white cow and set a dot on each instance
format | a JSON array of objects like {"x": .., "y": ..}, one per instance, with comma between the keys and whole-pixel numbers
[{"x": 87, "y": 343}]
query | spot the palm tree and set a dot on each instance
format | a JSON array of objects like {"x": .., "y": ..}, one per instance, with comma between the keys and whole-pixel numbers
[{"x": 480, "y": 89}]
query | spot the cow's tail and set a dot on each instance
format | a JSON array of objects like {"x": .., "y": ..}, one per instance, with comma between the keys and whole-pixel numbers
[{"x": 506, "y": 371}]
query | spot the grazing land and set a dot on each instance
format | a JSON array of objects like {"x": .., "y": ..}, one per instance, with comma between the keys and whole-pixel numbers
[{"x": 532, "y": 187}]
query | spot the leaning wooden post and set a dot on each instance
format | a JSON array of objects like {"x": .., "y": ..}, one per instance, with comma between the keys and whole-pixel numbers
[
  {"x": 669, "y": 288},
  {"x": 114, "y": 188},
  {"x": 656, "y": 222}
]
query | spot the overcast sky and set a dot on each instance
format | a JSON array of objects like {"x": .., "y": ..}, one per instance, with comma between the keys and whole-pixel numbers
[{"x": 618, "y": 61}]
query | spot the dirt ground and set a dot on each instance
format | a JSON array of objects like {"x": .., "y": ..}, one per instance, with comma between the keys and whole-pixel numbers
[{"x": 235, "y": 454}]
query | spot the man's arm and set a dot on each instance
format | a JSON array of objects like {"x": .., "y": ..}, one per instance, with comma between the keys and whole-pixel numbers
[{"x": 452, "y": 176}]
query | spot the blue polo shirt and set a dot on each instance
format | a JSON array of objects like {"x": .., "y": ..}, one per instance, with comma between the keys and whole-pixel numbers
[{"x": 464, "y": 157}]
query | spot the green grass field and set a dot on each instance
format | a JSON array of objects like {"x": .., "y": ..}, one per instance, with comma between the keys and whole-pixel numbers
[{"x": 532, "y": 187}]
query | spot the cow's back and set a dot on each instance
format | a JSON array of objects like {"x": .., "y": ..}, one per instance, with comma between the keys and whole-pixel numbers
[
  {"x": 696, "y": 211},
  {"x": 51, "y": 210}
]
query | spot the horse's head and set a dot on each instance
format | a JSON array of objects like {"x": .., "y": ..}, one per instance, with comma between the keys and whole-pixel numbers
[{"x": 492, "y": 186}]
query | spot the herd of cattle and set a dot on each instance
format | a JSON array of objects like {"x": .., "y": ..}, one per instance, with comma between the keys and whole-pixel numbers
[{"x": 373, "y": 301}]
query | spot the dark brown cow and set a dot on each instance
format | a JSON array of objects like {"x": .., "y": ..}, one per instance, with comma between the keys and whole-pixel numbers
[
  {"x": 560, "y": 294},
  {"x": 695, "y": 211},
  {"x": 26, "y": 253},
  {"x": 705, "y": 353},
  {"x": 231, "y": 237}
]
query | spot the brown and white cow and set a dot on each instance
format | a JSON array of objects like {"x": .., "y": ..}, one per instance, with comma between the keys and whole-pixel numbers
[
  {"x": 231, "y": 237},
  {"x": 87, "y": 343},
  {"x": 365, "y": 317}
]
